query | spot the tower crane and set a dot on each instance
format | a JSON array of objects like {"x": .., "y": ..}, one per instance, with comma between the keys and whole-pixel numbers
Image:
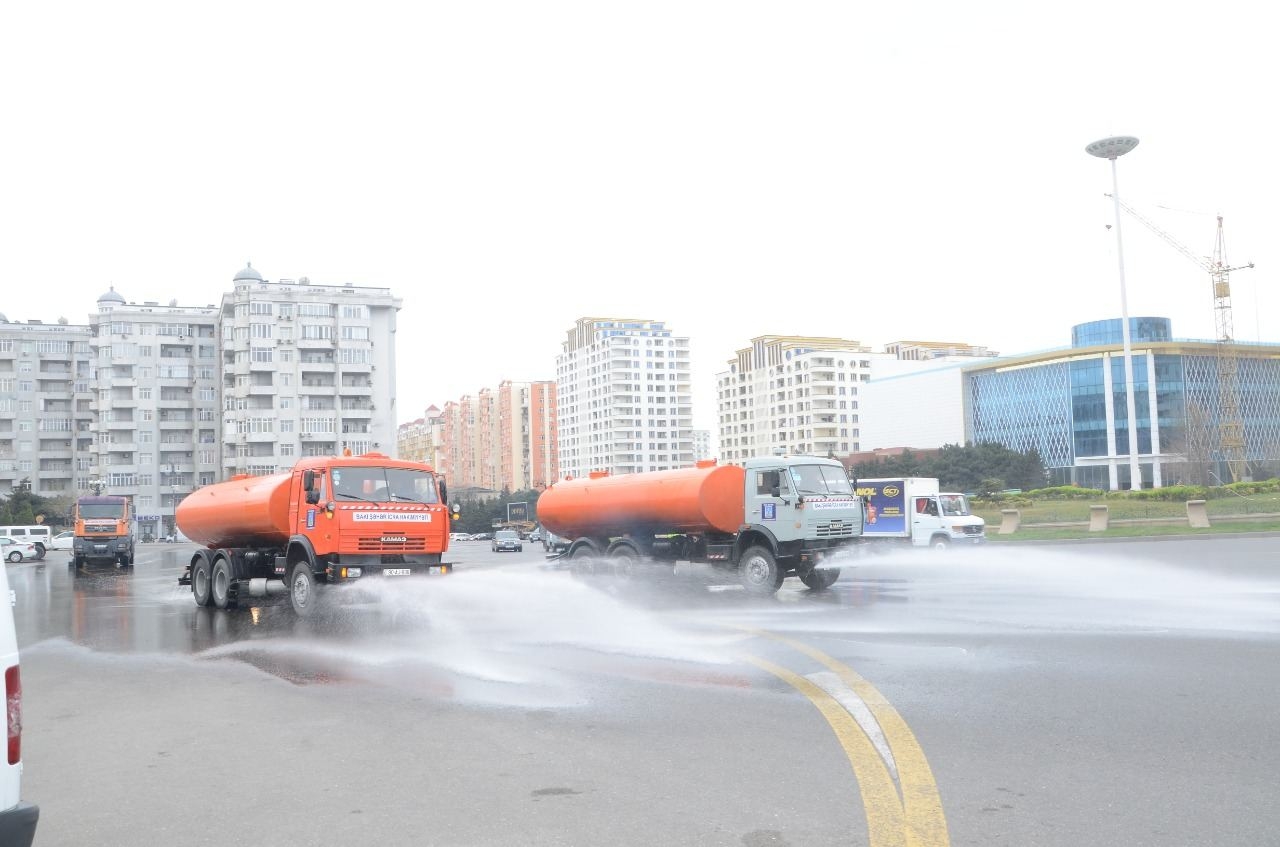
[{"x": 1230, "y": 423}]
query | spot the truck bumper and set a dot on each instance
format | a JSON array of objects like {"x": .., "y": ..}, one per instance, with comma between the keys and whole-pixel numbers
[
  {"x": 18, "y": 825},
  {"x": 101, "y": 550}
]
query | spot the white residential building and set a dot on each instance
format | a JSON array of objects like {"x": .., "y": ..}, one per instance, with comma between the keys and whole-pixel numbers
[
  {"x": 624, "y": 399},
  {"x": 702, "y": 445},
  {"x": 154, "y": 375},
  {"x": 793, "y": 394},
  {"x": 46, "y": 420},
  {"x": 307, "y": 370}
]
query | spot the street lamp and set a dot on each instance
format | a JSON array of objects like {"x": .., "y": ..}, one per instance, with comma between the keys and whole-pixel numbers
[{"x": 1113, "y": 148}]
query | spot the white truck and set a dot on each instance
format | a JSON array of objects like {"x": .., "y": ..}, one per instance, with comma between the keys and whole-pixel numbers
[{"x": 911, "y": 510}]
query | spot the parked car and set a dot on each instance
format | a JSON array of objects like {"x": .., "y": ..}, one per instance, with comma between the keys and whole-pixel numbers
[
  {"x": 459, "y": 536},
  {"x": 507, "y": 539},
  {"x": 38, "y": 534},
  {"x": 64, "y": 540},
  {"x": 15, "y": 551},
  {"x": 17, "y": 819},
  {"x": 481, "y": 536}
]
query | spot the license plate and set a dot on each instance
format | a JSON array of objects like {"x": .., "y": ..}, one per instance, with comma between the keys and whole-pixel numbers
[{"x": 396, "y": 571}]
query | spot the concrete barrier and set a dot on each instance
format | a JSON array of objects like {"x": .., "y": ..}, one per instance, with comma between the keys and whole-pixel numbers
[
  {"x": 1197, "y": 514},
  {"x": 1099, "y": 518},
  {"x": 1010, "y": 519}
]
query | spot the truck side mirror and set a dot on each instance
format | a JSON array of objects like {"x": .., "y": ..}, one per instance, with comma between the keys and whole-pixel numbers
[
  {"x": 776, "y": 491},
  {"x": 308, "y": 480},
  {"x": 313, "y": 497},
  {"x": 444, "y": 491}
]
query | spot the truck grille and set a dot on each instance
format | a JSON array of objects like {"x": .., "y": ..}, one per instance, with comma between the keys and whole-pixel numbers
[
  {"x": 376, "y": 544},
  {"x": 972, "y": 529},
  {"x": 835, "y": 529}
]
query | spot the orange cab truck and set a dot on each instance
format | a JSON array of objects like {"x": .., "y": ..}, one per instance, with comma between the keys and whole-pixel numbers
[
  {"x": 103, "y": 531},
  {"x": 331, "y": 520},
  {"x": 772, "y": 518}
]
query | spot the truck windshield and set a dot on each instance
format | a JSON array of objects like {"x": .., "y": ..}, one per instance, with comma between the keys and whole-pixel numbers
[
  {"x": 955, "y": 505},
  {"x": 382, "y": 485},
  {"x": 820, "y": 479},
  {"x": 101, "y": 510}
]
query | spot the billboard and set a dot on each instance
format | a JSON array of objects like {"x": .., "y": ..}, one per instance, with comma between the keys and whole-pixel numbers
[
  {"x": 517, "y": 512},
  {"x": 886, "y": 501}
]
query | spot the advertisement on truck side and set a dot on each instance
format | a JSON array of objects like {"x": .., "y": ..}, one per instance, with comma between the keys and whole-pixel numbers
[{"x": 886, "y": 507}]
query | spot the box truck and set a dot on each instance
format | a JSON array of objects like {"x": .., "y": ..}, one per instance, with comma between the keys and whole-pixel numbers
[{"x": 911, "y": 510}]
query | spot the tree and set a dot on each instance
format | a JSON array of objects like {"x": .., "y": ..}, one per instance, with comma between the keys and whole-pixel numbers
[
  {"x": 962, "y": 468},
  {"x": 22, "y": 507}
]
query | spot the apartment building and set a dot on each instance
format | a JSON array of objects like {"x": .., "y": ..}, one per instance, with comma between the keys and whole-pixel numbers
[
  {"x": 420, "y": 440},
  {"x": 794, "y": 394},
  {"x": 307, "y": 370},
  {"x": 46, "y": 419},
  {"x": 152, "y": 401},
  {"x": 500, "y": 439},
  {"x": 154, "y": 378},
  {"x": 624, "y": 398}
]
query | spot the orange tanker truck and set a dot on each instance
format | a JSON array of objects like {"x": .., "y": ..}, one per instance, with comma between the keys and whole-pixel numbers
[
  {"x": 772, "y": 518},
  {"x": 330, "y": 521}
]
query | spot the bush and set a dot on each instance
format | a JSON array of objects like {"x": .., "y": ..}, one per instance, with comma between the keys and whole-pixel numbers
[{"x": 1066, "y": 492}]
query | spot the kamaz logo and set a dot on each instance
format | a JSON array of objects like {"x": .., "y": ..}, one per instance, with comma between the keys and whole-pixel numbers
[
  {"x": 394, "y": 539},
  {"x": 892, "y": 491}
]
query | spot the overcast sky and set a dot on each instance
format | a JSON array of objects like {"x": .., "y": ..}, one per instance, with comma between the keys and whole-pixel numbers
[{"x": 869, "y": 171}]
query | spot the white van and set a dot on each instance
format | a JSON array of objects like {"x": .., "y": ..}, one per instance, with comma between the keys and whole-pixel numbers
[
  {"x": 17, "y": 819},
  {"x": 37, "y": 534}
]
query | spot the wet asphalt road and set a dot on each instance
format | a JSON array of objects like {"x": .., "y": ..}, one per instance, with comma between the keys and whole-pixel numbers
[{"x": 1062, "y": 695}]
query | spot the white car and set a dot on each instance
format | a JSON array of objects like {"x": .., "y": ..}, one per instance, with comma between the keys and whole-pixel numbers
[
  {"x": 16, "y": 551},
  {"x": 63, "y": 541},
  {"x": 17, "y": 819}
]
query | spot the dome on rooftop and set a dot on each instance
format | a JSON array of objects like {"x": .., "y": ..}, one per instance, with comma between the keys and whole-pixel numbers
[
  {"x": 248, "y": 275},
  {"x": 111, "y": 296}
]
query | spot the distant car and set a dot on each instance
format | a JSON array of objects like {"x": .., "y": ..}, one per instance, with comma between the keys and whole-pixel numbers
[
  {"x": 553, "y": 543},
  {"x": 63, "y": 540},
  {"x": 459, "y": 536},
  {"x": 507, "y": 540},
  {"x": 535, "y": 536},
  {"x": 481, "y": 536},
  {"x": 16, "y": 551}
]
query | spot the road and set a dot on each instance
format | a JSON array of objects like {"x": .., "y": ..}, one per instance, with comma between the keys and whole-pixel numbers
[{"x": 1091, "y": 694}]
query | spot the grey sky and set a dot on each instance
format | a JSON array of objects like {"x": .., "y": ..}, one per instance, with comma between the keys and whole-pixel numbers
[{"x": 873, "y": 171}]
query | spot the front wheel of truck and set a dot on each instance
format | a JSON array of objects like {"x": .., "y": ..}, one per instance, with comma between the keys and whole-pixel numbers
[
  {"x": 759, "y": 571},
  {"x": 302, "y": 589}
]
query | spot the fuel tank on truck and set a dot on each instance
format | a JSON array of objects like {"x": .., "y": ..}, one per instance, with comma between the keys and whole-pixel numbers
[
  {"x": 241, "y": 512},
  {"x": 698, "y": 499}
]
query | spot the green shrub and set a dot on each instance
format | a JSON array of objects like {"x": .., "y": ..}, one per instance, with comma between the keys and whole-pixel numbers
[{"x": 1065, "y": 492}]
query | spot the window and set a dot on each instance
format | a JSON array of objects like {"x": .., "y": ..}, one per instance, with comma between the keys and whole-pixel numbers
[{"x": 261, "y": 330}]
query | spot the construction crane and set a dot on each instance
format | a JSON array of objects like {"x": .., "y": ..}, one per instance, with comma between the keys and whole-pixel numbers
[{"x": 1230, "y": 423}]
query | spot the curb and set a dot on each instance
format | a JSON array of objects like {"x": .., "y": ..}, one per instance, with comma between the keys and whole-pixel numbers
[{"x": 1132, "y": 538}]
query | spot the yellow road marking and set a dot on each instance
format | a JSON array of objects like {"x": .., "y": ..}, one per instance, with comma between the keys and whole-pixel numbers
[
  {"x": 922, "y": 816},
  {"x": 879, "y": 796}
]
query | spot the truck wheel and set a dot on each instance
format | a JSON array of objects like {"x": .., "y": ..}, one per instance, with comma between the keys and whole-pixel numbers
[
  {"x": 200, "y": 582},
  {"x": 818, "y": 579},
  {"x": 624, "y": 560},
  {"x": 220, "y": 583},
  {"x": 15, "y": 556},
  {"x": 302, "y": 590},
  {"x": 939, "y": 542},
  {"x": 759, "y": 571}
]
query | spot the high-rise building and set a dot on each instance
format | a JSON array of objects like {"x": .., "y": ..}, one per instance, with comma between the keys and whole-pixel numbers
[
  {"x": 794, "y": 394},
  {"x": 624, "y": 398},
  {"x": 503, "y": 439},
  {"x": 702, "y": 445},
  {"x": 155, "y": 378},
  {"x": 420, "y": 440},
  {"x": 307, "y": 370},
  {"x": 46, "y": 419}
]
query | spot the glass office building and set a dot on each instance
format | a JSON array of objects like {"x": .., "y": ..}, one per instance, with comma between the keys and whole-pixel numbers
[{"x": 1070, "y": 406}]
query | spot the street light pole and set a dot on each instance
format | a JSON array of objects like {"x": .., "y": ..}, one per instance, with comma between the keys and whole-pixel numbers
[{"x": 1113, "y": 148}]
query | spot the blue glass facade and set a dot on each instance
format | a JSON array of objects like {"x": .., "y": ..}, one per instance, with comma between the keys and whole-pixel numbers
[
  {"x": 1111, "y": 331},
  {"x": 1067, "y": 408}
]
